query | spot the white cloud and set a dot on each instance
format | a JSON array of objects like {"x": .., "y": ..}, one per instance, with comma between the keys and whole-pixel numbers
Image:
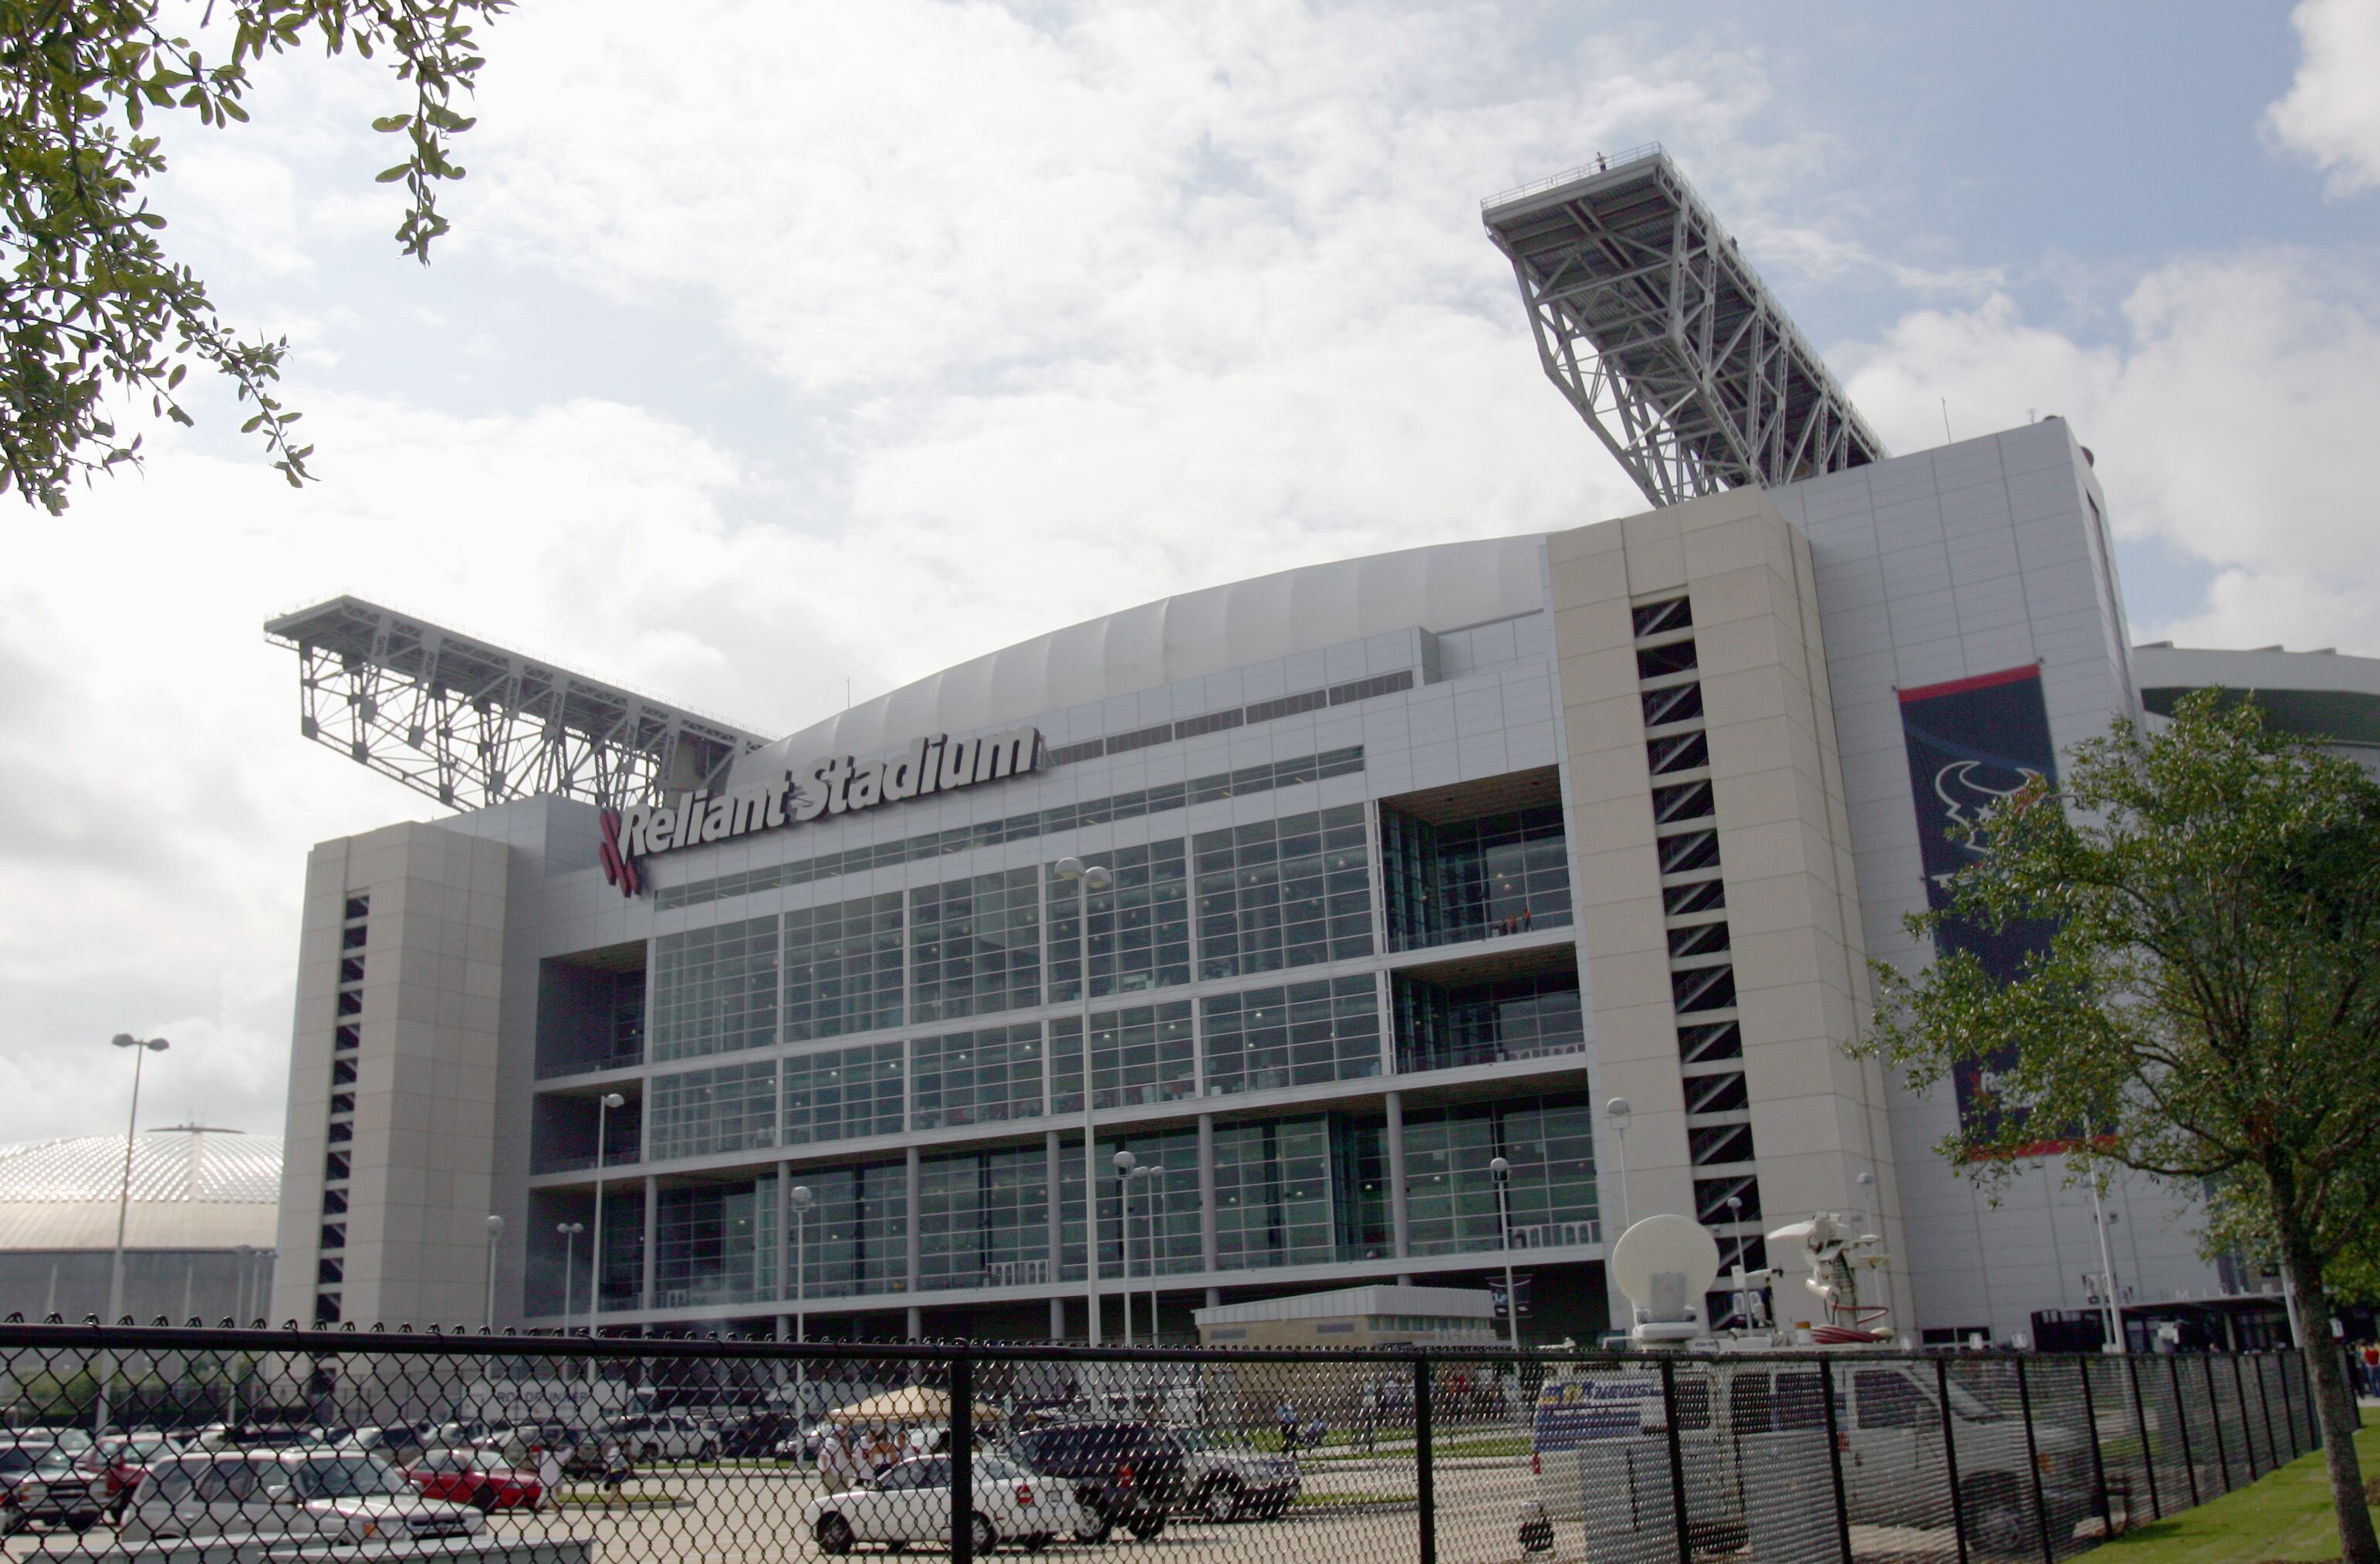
[
  {"x": 2227, "y": 424},
  {"x": 2331, "y": 114}
]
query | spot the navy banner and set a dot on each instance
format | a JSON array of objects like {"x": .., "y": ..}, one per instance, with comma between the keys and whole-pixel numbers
[{"x": 1972, "y": 742}]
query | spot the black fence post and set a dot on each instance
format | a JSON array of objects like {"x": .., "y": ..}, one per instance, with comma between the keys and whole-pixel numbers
[
  {"x": 2032, "y": 1462},
  {"x": 2214, "y": 1419},
  {"x": 1835, "y": 1458},
  {"x": 2181, "y": 1422},
  {"x": 1424, "y": 1464},
  {"x": 1949, "y": 1455},
  {"x": 2289, "y": 1404},
  {"x": 962, "y": 1458},
  {"x": 2247, "y": 1437},
  {"x": 2148, "y": 1451},
  {"x": 1677, "y": 1459},
  {"x": 2099, "y": 1456}
]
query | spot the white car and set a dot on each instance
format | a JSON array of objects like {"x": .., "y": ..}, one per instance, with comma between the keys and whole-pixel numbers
[
  {"x": 666, "y": 1438},
  {"x": 911, "y": 1503},
  {"x": 313, "y": 1495}
]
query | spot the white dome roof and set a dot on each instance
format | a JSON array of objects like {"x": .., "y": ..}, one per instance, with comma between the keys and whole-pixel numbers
[
  {"x": 1190, "y": 635},
  {"x": 191, "y": 1188}
]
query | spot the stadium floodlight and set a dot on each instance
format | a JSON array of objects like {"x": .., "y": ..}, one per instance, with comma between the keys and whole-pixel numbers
[
  {"x": 1651, "y": 324},
  {"x": 472, "y": 724}
]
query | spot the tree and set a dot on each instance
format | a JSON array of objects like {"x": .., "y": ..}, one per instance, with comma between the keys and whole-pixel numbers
[
  {"x": 92, "y": 309},
  {"x": 2206, "y": 1009}
]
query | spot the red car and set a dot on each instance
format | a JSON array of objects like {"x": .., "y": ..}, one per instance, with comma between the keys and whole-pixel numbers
[
  {"x": 122, "y": 1459},
  {"x": 476, "y": 1477}
]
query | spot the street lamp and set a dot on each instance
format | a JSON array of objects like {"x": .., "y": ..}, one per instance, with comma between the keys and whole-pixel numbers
[
  {"x": 2114, "y": 1340},
  {"x": 1156, "y": 1203},
  {"x": 569, "y": 1231},
  {"x": 141, "y": 1051},
  {"x": 1504, "y": 1172},
  {"x": 1125, "y": 1162},
  {"x": 495, "y": 1227},
  {"x": 604, "y": 1107},
  {"x": 141, "y": 1048},
  {"x": 1093, "y": 877},
  {"x": 1617, "y": 1110}
]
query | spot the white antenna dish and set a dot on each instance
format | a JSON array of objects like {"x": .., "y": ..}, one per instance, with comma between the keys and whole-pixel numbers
[{"x": 1664, "y": 1265}]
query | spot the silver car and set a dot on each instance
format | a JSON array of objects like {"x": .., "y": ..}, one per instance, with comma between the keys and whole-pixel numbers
[{"x": 311, "y": 1495}]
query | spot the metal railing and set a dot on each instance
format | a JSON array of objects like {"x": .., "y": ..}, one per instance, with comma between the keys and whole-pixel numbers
[
  {"x": 1603, "y": 165},
  {"x": 554, "y": 1451}
]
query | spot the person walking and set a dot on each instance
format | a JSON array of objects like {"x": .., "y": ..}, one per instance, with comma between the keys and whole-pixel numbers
[
  {"x": 1370, "y": 1411},
  {"x": 549, "y": 1476},
  {"x": 617, "y": 1470},
  {"x": 1285, "y": 1414},
  {"x": 838, "y": 1462}
]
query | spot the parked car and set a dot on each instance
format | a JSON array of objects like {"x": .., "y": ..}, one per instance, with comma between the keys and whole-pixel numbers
[
  {"x": 1129, "y": 1475},
  {"x": 665, "y": 1437},
  {"x": 580, "y": 1449},
  {"x": 318, "y": 1496},
  {"x": 119, "y": 1460},
  {"x": 1225, "y": 1484},
  {"x": 478, "y": 1479},
  {"x": 41, "y": 1484},
  {"x": 757, "y": 1435},
  {"x": 910, "y": 1502}
]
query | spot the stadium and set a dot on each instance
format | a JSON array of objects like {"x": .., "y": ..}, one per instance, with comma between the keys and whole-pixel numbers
[{"x": 1357, "y": 924}]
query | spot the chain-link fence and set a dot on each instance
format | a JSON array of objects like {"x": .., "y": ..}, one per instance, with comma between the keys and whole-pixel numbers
[{"x": 205, "y": 1447}]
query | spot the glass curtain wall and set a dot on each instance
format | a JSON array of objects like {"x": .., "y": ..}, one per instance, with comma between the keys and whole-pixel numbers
[
  {"x": 621, "y": 1281},
  {"x": 856, "y": 1238},
  {"x": 1141, "y": 1055},
  {"x": 1177, "y": 1204},
  {"x": 1440, "y": 1028},
  {"x": 1500, "y": 874},
  {"x": 843, "y": 966},
  {"x": 983, "y": 1219},
  {"x": 975, "y": 946},
  {"x": 988, "y": 1076},
  {"x": 716, "y": 1243},
  {"x": 1450, "y": 1193},
  {"x": 1299, "y": 1034},
  {"x": 715, "y": 990},
  {"x": 1272, "y": 1195},
  {"x": 703, "y": 1112},
  {"x": 845, "y": 1093},
  {"x": 1140, "y": 926},
  {"x": 1284, "y": 893}
]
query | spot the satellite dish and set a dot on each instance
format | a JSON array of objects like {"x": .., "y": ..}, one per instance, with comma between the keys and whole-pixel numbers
[{"x": 1664, "y": 1265}]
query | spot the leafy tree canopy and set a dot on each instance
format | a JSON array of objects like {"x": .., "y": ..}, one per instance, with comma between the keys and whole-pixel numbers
[
  {"x": 94, "y": 310},
  {"x": 2207, "y": 1010}
]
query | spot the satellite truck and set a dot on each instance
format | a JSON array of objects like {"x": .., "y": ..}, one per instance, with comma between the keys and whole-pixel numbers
[{"x": 1751, "y": 1424}]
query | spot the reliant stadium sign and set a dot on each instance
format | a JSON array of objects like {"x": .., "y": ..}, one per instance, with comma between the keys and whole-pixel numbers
[{"x": 837, "y": 785}]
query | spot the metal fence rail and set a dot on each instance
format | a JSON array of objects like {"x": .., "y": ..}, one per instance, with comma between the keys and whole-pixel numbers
[{"x": 549, "y": 1450}]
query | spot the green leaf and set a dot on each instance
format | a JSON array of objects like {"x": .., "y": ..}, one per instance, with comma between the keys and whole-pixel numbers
[{"x": 391, "y": 175}]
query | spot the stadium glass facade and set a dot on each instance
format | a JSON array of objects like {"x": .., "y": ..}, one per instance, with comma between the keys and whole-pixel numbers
[{"x": 1414, "y": 864}]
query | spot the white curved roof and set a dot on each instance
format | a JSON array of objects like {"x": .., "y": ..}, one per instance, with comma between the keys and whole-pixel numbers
[
  {"x": 192, "y": 1189},
  {"x": 1191, "y": 635}
]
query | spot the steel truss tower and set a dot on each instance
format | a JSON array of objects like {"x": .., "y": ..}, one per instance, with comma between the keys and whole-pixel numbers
[
  {"x": 470, "y": 724},
  {"x": 1649, "y": 321}
]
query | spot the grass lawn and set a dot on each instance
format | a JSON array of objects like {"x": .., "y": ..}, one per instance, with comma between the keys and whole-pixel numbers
[{"x": 2286, "y": 1516}]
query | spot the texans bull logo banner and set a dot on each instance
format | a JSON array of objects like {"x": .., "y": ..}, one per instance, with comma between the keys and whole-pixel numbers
[{"x": 1972, "y": 742}]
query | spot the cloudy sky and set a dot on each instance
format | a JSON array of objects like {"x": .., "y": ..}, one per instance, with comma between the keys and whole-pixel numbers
[{"x": 805, "y": 345}]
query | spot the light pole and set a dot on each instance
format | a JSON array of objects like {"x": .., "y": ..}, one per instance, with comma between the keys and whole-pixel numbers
[
  {"x": 604, "y": 1107},
  {"x": 495, "y": 1227},
  {"x": 1156, "y": 1202},
  {"x": 1617, "y": 1110},
  {"x": 569, "y": 1231},
  {"x": 801, "y": 1200},
  {"x": 2114, "y": 1341},
  {"x": 1124, "y": 1167},
  {"x": 1092, "y": 877},
  {"x": 141, "y": 1048},
  {"x": 1503, "y": 1173},
  {"x": 141, "y": 1051}
]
